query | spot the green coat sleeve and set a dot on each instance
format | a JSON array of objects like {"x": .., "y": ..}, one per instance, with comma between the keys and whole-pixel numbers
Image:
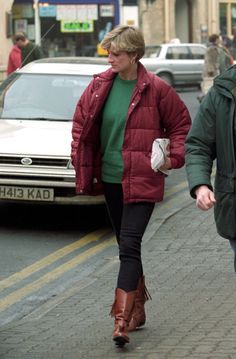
[{"x": 200, "y": 146}]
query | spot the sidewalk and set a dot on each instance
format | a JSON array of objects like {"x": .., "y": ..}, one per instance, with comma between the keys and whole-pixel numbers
[{"x": 189, "y": 273}]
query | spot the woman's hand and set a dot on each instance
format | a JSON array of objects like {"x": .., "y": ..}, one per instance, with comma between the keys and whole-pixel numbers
[
  {"x": 205, "y": 198},
  {"x": 167, "y": 164}
]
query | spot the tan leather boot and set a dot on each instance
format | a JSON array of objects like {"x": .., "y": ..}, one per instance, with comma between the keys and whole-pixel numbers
[
  {"x": 138, "y": 316},
  {"x": 121, "y": 310}
]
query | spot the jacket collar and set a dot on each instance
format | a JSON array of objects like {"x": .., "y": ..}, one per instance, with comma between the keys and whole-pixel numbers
[{"x": 142, "y": 80}]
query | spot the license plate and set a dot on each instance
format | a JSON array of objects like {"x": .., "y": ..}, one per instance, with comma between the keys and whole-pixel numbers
[{"x": 27, "y": 193}]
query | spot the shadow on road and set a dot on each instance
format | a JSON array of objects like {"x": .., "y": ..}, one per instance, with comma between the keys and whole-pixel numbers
[{"x": 51, "y": 217}]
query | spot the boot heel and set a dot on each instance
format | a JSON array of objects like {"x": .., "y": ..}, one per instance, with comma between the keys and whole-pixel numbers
[{"x": 120, "y": 340}]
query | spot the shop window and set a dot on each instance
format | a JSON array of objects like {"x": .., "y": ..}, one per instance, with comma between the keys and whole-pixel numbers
[
  {"x": 233, "y": 16},
  {"x": 227, "y": 21},
  {"x": 9, "y": 30},
  {"x": 223, "y": 19},
  {"x": 227, "y": 18}
]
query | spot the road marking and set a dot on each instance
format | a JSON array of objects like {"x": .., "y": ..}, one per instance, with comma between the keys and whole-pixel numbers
[
  {"x": 51, "y": 258},
  {"x": 53, "y": 302},
  {"x": 54, "y": 274}
]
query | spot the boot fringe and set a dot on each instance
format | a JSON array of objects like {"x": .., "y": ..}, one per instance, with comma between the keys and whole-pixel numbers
[{"x": 147, "y": 294}]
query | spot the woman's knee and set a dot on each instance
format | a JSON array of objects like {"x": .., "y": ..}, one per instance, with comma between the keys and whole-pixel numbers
[{"x": 130, "y": 247}]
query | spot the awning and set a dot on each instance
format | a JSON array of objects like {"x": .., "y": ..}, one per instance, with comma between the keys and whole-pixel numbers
[
  {"x": 22, "y": 1},
  {"x": 74, "y": 2}
]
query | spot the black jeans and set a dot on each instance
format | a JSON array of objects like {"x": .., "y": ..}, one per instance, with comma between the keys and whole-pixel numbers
[{"x": 129, "y": 222}]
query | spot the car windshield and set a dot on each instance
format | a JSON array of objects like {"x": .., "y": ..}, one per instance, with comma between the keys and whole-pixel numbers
[{"x": 41, "y": 96}]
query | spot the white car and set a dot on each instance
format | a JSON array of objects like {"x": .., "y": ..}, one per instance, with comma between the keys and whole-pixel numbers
[
  {"x": 37, "y": 104},
  {"x": 177, "y": 64}
]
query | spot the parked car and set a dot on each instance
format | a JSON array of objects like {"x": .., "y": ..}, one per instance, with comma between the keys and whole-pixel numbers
[
  {"x": 37, "y": 104},
  {"x": 177, "y": 64}
]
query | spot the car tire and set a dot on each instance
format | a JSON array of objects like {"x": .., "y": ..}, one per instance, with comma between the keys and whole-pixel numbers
[{"x": 166, "y": 77}]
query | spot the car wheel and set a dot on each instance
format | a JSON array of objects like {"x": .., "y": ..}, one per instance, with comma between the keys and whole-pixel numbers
[{"x": 166, "y": 77}]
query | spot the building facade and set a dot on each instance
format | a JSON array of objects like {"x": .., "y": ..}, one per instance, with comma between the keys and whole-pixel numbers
[
  {"x": 75, "y": 27},
  {"x": 187, "y": 20}
]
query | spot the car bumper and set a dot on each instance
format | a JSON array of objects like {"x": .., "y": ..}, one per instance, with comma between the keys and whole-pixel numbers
[{"x": 21, "y": 185}]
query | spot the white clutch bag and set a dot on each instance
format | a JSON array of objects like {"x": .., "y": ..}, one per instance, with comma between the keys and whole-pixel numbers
[{"x": 160, "y": 149}]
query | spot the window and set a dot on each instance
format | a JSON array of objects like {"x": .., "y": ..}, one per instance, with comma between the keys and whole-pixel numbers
[
  {"x": 233, "y": 16},
  {"x": 223, "y": 19},
  {"x": 152, "y": 51},
  {"x": 197, "y": 52},
  {"x": 227, "y": 18},
  {"x": 178, "y": 53}
]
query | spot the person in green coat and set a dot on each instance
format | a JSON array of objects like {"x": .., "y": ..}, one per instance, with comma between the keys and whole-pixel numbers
[
  {"x": 211, "y": 142},
  {"x": 29, "y": 51}
]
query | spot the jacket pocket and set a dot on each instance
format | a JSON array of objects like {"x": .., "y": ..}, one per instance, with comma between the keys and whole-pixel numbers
[
  {"x": 225, "y": 183},
  {"x": 225, "y": 214}
]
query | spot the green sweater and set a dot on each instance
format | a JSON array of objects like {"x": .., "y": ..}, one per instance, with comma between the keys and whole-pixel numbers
[{"x": 113, "y": 127}]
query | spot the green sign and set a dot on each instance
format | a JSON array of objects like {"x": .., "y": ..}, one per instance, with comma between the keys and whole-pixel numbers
[{"x": 76, "y": 26}]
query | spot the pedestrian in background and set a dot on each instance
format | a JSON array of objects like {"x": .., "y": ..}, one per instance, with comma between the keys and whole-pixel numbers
[
  {"x": 14, "y": 58},
  {"x": 217, "y": 60},
  {"x": 233, "y": 43},
  {"x": 120, "y": 114},
  {"x": 212, "y": 137},
  {"x": 217, "y": 57},
  {"x": 29, "y": 51}
]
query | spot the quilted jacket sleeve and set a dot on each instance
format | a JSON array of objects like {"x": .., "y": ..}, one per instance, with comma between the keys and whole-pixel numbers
[{"x": 79, "y": 119}]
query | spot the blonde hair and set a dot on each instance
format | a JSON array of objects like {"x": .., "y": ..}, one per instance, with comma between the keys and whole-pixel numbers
[{"x": 125, "y": 38}]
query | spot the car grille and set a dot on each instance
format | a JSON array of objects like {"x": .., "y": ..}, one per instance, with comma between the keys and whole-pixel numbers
[
  {"x": 36, "y": 161},
  {"x": 39, "y": 176}
]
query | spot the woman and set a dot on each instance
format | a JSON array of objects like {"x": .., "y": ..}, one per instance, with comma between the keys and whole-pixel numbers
[{"x": 120, "y": 114}]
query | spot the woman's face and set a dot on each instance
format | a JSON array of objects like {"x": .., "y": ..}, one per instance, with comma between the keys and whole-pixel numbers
[{"x": 121, "y": 61}]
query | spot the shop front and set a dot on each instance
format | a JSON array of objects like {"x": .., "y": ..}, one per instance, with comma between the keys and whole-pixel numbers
[{"x": 66, "y": 27}]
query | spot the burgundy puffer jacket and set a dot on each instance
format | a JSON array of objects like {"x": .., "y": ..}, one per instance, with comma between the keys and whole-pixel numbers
[{"x": 155, "y": 111}]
